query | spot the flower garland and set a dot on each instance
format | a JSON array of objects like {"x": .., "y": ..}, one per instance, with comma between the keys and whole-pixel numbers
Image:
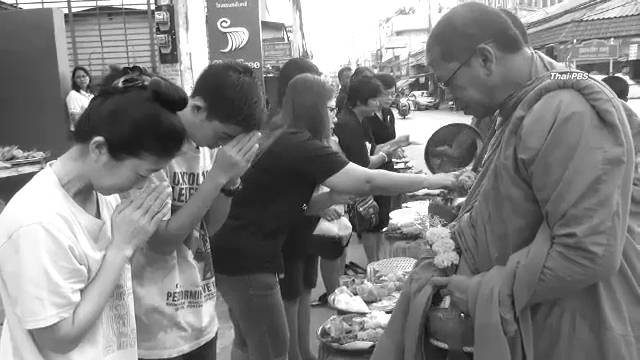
[{"x": 439, "y": 238}]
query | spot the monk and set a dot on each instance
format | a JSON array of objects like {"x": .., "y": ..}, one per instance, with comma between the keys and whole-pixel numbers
[{"x": 550, "y": 254}]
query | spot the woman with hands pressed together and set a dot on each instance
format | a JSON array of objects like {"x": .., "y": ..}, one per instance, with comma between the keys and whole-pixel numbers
[{"x": 66, "y": 239}]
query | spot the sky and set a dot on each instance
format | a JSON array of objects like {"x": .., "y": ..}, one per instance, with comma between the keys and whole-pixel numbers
[{"x": 339, "y": 30}]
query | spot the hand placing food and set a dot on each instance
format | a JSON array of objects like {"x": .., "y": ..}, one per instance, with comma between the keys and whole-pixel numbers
[
  {"x": 443, "y": 180},
  {"x": 466, "y": 179},
  {"x": 331, "y": 214},
  {"x": 403, "y": 141}
]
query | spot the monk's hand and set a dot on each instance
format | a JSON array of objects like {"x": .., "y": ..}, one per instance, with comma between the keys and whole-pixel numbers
[{"x": 457, "y": 287}]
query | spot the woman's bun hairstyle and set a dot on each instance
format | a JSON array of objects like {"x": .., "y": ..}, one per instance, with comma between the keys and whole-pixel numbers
[
  {"x": 167, "y": 94},
  {"x": 136, "y": 113}
]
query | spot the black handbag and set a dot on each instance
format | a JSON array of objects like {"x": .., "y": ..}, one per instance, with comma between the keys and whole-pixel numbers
[{"x": 363, "y": 215}]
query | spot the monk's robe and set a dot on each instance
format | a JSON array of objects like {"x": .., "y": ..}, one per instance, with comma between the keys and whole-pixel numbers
[{"x": 547, "y": 233}]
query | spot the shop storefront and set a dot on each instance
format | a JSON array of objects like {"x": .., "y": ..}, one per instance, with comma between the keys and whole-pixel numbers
[{"x": 595, "y": 36}]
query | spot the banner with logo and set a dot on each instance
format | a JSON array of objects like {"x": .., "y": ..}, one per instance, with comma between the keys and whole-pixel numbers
[{"x": 235, "y": 33}]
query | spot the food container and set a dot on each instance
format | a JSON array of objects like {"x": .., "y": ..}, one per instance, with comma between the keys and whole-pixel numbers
[
  {"x": 450, "y": 329},
  {"x": 388, "y": 266},
  {"x": 355, "y": 346}
]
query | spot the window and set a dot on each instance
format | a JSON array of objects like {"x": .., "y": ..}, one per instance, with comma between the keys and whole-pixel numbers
[{"x": 99, "y": 35}]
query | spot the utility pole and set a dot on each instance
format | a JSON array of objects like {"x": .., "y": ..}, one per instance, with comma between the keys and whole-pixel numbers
[
  {"x": 429, "y": 9},
  {"x": 379, "y": 54}
]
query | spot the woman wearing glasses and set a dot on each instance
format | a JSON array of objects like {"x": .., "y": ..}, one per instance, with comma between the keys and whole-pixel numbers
[
  {"x": 300, "y": 267},
  {"x": 276, "y": 192},
  {"x": 66, "y": 239}
]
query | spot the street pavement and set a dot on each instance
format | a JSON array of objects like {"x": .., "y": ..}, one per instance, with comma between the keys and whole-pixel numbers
[{"x": 420, "y": 125}]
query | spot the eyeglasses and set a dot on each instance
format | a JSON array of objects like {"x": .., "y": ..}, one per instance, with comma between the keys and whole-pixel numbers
[
  {"x": 445, "y": 84},
  {"x": 332, "y": 109}
]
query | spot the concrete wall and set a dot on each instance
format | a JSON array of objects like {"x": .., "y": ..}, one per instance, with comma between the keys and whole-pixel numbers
[{"x": 34, "y": 83}]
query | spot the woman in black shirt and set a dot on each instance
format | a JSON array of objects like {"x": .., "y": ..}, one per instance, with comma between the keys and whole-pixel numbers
[
  {"x": 277, "y": 188},
  {"x": 382, "y": 125},
  {"x": 300, "y": 267},
  {"x": 357, "y": 129}
]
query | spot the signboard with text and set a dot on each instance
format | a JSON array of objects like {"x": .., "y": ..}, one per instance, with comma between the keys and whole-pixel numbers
[
  {"x": 234, "y": 32},
  {"x": 589, "y": 50},
  {"x": 596, "y": 52},
  {"x": 395, "y": 42},
  {"x": 277, "y": 51}
]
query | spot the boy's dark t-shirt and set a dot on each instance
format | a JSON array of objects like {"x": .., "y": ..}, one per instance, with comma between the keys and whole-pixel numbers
[{"x": 275, "y": 192}]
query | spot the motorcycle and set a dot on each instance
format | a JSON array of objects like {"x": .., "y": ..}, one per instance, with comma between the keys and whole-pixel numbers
[
  {"x": 404, "y": 108},
  {"x": 452, "y": 106}
]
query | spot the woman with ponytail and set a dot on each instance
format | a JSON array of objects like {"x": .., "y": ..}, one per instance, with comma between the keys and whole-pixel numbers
[{"x": 66, "y": 238}]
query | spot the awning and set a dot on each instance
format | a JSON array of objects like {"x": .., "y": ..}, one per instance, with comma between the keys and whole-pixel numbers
[{"x": 586, "y": 30}]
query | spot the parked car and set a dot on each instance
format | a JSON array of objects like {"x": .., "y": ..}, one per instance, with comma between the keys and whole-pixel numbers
[{"x": 422, "y": 101}]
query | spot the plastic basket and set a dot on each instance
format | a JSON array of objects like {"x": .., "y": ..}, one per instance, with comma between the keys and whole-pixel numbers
[{"x": 388, "y": 266}]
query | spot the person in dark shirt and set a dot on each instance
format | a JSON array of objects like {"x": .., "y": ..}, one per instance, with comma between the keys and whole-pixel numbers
[
  {"x": 619, "y": 86},
  {"x": 382, "y": 125},
  {"x": 276, "y": 192},
  {"x": 356, "y": 129},
  {"x": 344, "y": 75},
  {"x": 362, "y": 71},
  {"x": 300, "y": 268}
]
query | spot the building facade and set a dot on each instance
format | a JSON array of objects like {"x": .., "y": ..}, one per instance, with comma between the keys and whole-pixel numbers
[{"x": 592, "y": 35}]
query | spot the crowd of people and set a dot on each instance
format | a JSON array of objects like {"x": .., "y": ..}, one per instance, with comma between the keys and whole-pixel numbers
[
  {"x": 118, "y": 249},
  {"x": 140, "y": 232}
]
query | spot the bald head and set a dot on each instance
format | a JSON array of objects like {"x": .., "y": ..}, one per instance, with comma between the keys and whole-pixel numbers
[
  {"x": 466, "y": 26},
  {"x": 517, "y": 24}
]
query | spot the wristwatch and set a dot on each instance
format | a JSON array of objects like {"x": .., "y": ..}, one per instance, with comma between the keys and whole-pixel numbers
[{"x": 232, "y": 191}]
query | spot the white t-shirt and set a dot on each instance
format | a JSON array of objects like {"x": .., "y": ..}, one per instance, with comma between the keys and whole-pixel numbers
[
  {"x": 50, "y": 249},
  {"x": 175, "y": 295},
  {"x": 77, "y": 103}
]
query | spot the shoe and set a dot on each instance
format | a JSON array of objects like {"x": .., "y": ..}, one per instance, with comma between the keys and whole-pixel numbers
[{"x": 322, "y": 300}]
